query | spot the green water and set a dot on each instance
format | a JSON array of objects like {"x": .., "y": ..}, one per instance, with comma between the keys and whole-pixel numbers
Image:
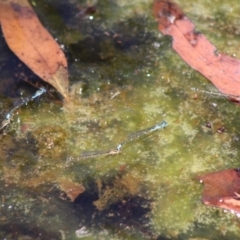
[{"x": 124, "y": 77}]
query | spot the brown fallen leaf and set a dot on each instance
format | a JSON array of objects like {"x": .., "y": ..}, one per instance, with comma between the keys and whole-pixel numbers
[
  {"x": 72, "y": 189},
  {"x": 222, "y": 189},
  {"x": 33, "y": 44},
  {"x": 194, "y": 48}
]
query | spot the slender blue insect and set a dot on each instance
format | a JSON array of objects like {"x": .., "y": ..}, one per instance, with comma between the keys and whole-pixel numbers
[
  {"x": 140, "y": 133},
  {"x": 38, "y": 93},
  {"x": 23, "y": 101},
  {"x": 219, "y": 94},
  {"x": 5, "y": 123},
  {"x": 130, "y": 138},
  {"x": 100, "y": 153}
]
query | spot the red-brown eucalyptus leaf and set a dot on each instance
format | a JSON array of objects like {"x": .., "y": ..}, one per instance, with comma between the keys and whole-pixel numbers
[
  {"x": 194, "y": 48},
  {"x": 33, "y": 44},
  {"x": 222, "y": 189}
]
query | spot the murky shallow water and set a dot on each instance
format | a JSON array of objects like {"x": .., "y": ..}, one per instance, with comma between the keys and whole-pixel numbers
[{"x": 124, "y": 77}]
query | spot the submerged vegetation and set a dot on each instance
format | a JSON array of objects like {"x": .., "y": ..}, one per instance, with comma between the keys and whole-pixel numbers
[{"x": 124, "y": 78}]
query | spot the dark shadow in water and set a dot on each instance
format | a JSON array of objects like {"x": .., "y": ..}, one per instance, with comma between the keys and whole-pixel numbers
[
  {"x": 103, "y": 45},
  {"x": 26, "y": 231},
  {"x": 127, "y": 216}
]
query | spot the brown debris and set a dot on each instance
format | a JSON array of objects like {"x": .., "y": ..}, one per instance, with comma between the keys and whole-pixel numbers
[
  {"x": 222, "y": 189},
  {"x": 195, "y": 49},
  {"x": 72, "y": 189}
]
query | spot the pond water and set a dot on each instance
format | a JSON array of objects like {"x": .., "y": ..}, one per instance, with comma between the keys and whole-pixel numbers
[{"x": 124, "y": 77}]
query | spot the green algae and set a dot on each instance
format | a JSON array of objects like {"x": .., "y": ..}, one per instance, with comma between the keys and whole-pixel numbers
[{"x": 130, "y": 87}]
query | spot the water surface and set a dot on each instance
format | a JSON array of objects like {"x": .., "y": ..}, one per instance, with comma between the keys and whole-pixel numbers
[{"x": 124, "y": 77}]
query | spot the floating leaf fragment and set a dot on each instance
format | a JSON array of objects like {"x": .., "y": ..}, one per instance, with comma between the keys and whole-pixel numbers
[
  {"x": 33, "y": 44},
  {"x": 72, "y": 189},
  {"x": 195, "y": 49},
  {"x": 222, "y": 189}
]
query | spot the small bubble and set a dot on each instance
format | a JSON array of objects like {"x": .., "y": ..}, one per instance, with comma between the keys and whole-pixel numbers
[
  {"x": 214, "y": 104},
  {"x": 156, "y": 45}
]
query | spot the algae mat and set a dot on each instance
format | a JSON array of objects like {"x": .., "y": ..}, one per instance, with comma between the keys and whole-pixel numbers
[{"x": 124, "y": 78}]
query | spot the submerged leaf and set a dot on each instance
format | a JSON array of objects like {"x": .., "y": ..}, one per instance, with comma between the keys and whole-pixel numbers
[
  {"x": 222, "y": 189},
  {"x": 195, "y": 49},
  {"x": 33, "y": 44},
  {"x": 72, "y": 189}
]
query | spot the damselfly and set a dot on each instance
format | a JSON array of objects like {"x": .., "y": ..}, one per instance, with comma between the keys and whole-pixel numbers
[
  {"x": 5, "y": 123},
  {"x": 130, "y": 138},
  {"x": 140, "y": 133},
  {"x": 22, "y": 102},
  {"x": 99, "y": 153},
  {"x": 38, "y": 93},
  {"x": 235, "y": 98}
]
